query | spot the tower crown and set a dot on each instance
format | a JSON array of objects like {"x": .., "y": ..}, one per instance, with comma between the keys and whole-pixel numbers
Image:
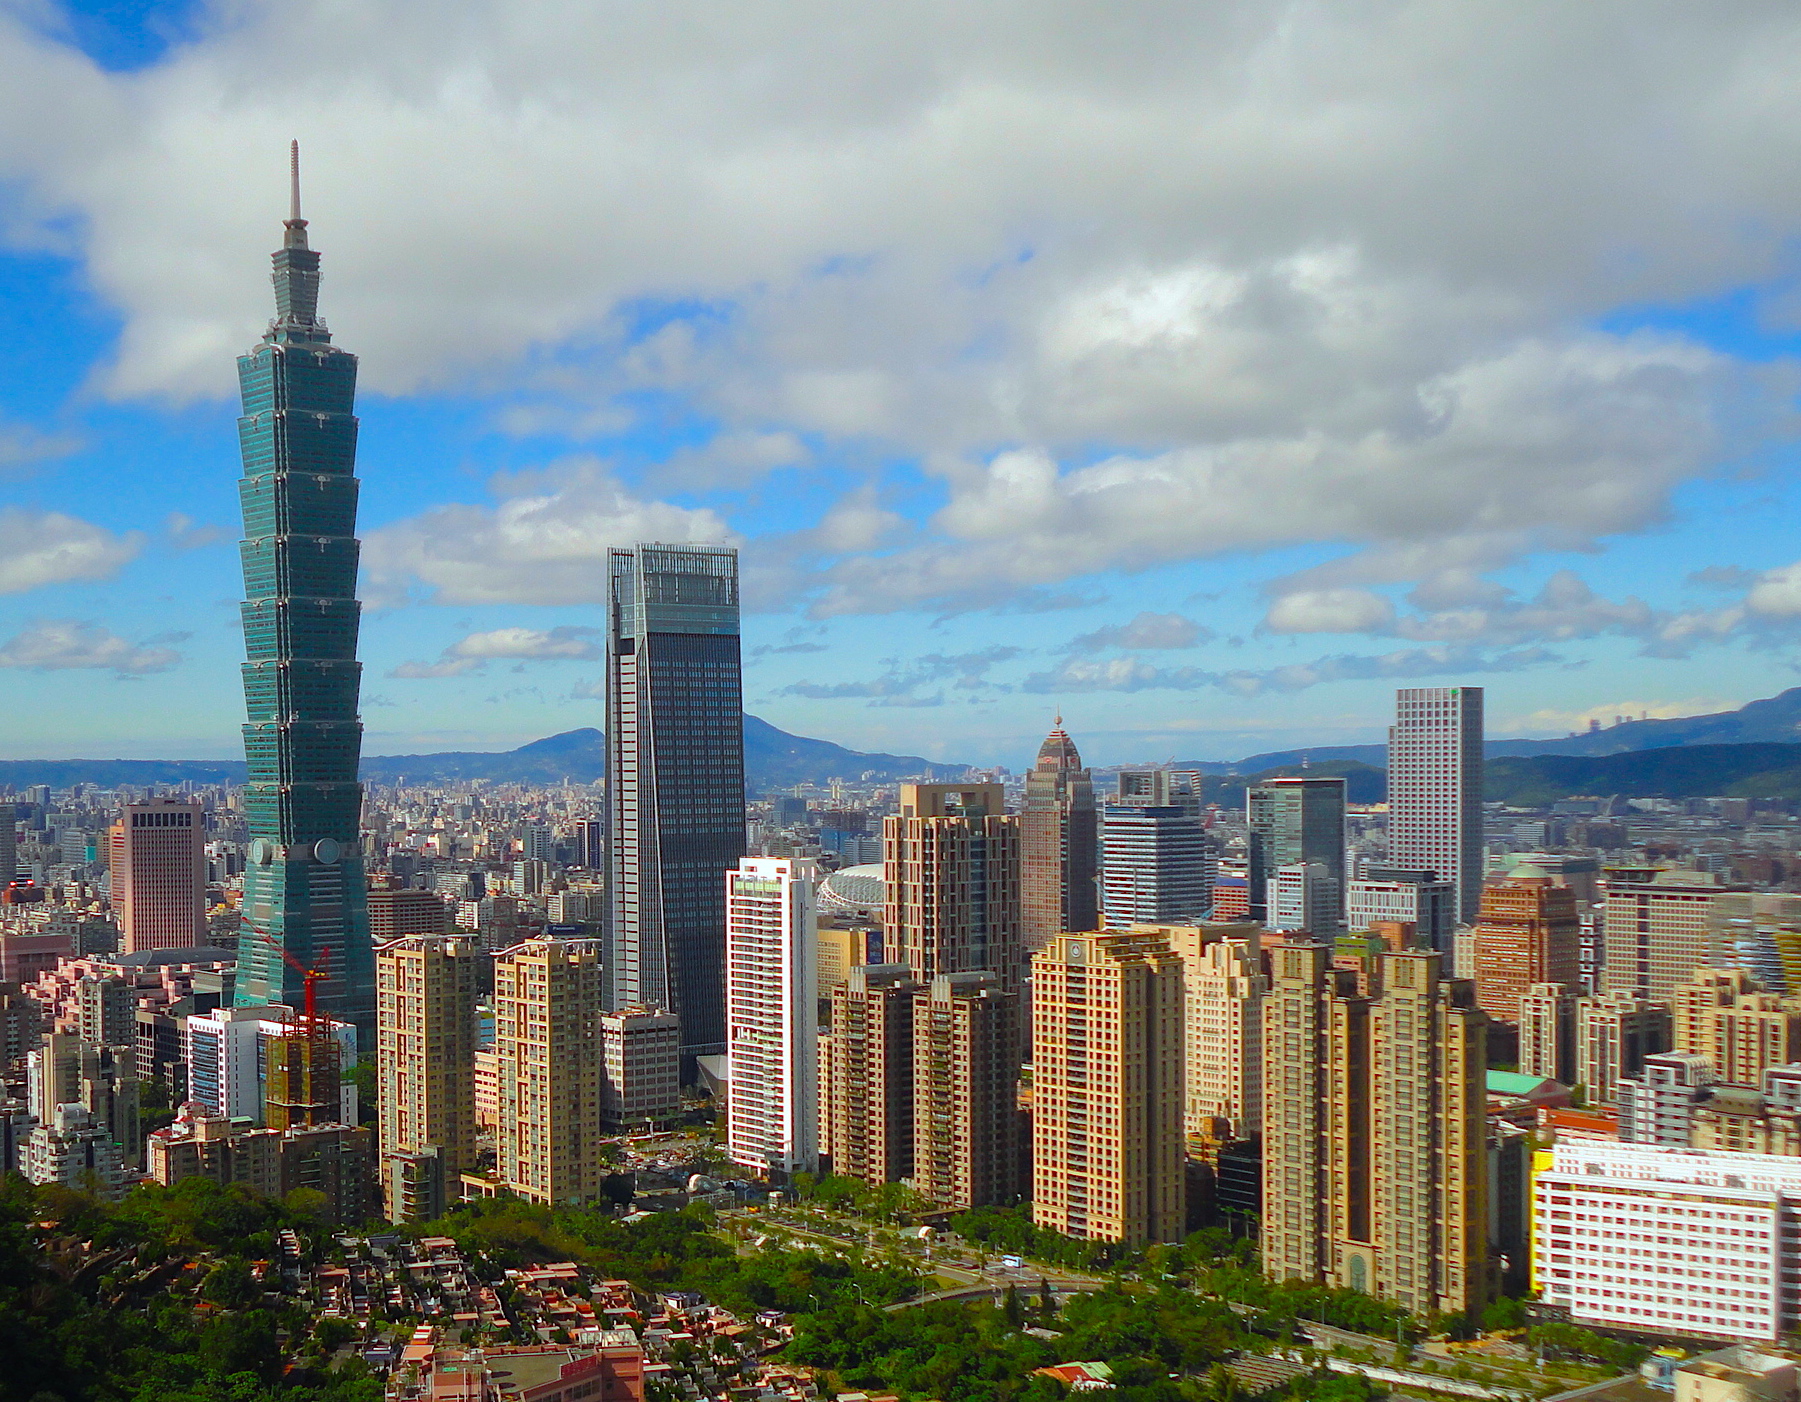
[
  {"x": 1058, "y": 751},
  {"x": 296, "y": 273}
]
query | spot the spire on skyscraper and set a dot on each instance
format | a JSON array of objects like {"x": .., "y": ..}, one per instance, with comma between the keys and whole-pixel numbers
[
  {"x": 295, "y": 225},
  {"x": 296, "y": 272}
]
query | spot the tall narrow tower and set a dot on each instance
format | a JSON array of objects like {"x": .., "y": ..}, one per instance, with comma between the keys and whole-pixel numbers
[
  {"x": 1058, "y": 845},
  {"x": 304, "y": 893},
  {"x": 675, "y": 779},
  {"x": 1435, "y": 788}
]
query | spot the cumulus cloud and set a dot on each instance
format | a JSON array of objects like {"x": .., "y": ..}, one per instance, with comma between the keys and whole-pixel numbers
[
  {"x": 1147, "y": 630},
  {"x": 543, "y": 540},
  {"x": 48, "y": 547},
  {"x": 472, "y": 653},
  {"x": 62, "y": 644},
  {"x": 1312, "y": 274},
  {"x": 22, "y": 445}
]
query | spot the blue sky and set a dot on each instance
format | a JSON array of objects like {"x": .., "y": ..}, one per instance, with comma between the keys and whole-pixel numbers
[{"x": 1204, "y": 375}]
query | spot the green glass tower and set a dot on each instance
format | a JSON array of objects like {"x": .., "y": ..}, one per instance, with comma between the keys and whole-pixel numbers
[{"x": 304, "y": 889}]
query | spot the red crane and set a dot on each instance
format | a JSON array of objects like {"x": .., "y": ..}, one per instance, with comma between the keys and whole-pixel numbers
[{"x": 312, "y": 978}]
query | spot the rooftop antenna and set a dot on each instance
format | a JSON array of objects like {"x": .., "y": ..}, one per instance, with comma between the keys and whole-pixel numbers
[{"x": 294, "y": 182}]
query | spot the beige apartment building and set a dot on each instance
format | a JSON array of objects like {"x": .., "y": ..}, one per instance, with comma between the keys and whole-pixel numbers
[
  {"x": 950, "y": 860},
  {"x": 1658, "y": 927},
  {"x": 866, "y": 1075},
  {"x": 966, "y": 1117},
  {"x": 1107, "y": 1071},
  {"x": 547, "y": 1004},
  {"x": 1615, "y": 1032},
  {"x": 1725, "y": 1016},
  {"x": 425, "y": 991},
  {"x": 1547, "y": 1014},
  {"x": 1225, "y": 990},
  {"x": 1375, "y": 1131}
]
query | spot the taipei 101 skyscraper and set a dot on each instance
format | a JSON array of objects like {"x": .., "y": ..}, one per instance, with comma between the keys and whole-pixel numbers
[{"x": 304, "y": 889}]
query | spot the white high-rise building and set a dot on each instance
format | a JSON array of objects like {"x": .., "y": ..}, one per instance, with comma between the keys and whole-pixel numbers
[
  {"x": 1306, "y": 896},
  {"x": 1669, "y": 1240},
  {"x": 1435, "y": 788},
  {"x": 772, "y": 1015},
  {"x": 225, "y": 1050}
]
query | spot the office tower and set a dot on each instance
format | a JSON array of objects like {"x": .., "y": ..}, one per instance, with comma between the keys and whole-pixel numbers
[
  {"x": 304, "y": 893},
  {"x": 158, "y": 863},
  {"x": 1548, "y": 1032},
  {"x": 1421, "y": 899},
  {"x": 1658, "y": 928},
  {"x": 1435, "y": 789},
  {"x": 1226, "y": 989},
  {"x": 950, "y": 859},
  {"x": 1158, "y": 868},
  {"x": 547, "y": 1004},
  {"x": 1160, "y": 788},
  {"x": 108, "y": 1010},
  {"x": 1107, "y": 1104},
  {"x": 1305, "y": 897},
  {"x": 1375, "y": 1133},
  {"x": 966, "y": 1119},
  {"x": 9, "y": 841},
  {"x": 537, "y": 842},
  {"x": 839, "y": 949},
  {"x": 1294, "y": 822},
  {"x": 1721, "y": 1225},
  {"x": 425, "y": 991},
  {"x": 396, "y": 911},
  {"x": 640, "y": 1067},
  {"x": 772, "y": 1015},
  {"x": 1615, "y": 1032},
  {"x": 1658, "y": 1106},
  {"x": 675, "y": 779},
  {"x": 1058, "y": 845},
  {"x": 590, "y": 846},
  {"x": 1725, "y": 1016},
  {"x": 1528, "y": 933},
  {"x": 866, "y": 1075}
]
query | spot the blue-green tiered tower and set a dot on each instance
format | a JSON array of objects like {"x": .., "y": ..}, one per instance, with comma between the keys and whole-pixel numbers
[{"x": 304, "y": 889}]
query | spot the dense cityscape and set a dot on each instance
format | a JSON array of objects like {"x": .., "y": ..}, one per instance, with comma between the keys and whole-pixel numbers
[{"x": 1153, "y": 1082}]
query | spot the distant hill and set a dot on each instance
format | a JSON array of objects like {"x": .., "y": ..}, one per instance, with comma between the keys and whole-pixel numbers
[
  {"x": 772, "y": 759},
  {"x": 1364, "y": 783},
  {"x": 1773, "y": 720},
  {"x": 1676, "y": 771}
]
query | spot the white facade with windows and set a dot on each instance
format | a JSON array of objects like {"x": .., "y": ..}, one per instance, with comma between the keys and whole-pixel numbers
[
  {"x": 1669, "y": 1240},
  {"x": 772, "y": 1015},
  {"x": 1435, "y": 788}
]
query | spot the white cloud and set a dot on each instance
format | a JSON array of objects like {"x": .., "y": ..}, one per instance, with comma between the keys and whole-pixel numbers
[
  {"x": 1330, "y": 611},
  {"x": 1147, "y": 630},
  {"x": 1132, "y": 673},
  {"x": 60, "y": 644},
  {"x": 1777, "y": 594},
  {"x": 474, "y": 652},
  {"x": 544, "y": 541},
  {"x": 48, "y": 547},
  {"x": 1312, "y": 273}
]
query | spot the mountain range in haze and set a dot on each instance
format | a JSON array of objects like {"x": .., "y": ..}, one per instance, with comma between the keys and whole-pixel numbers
[{"x": 1755, "y": 750}]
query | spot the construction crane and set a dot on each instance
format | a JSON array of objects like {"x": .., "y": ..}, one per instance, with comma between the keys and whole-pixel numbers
[{"x": 302, "y": 1076}]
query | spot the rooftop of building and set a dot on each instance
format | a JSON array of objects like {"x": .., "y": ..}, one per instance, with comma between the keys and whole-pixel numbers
[{"x": 1515, "y": 1084}]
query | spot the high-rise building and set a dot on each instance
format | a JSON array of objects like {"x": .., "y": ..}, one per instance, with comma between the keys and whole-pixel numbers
[
  {"x": 158, "y": 862},
  {"x": 1158, "y": 867},
  {"x": 640, "y": 1067},
  {"x": 1375, "y": 1132},
  {"x": 675, "y": 779},
  {"x": 227, "y": 1056},
  {"x": 772, "y": 1015},
  {"x": 304, "y": 892},
  {"x": 866, "y": 1075},
  {"x": 1435, "y": 788},
  {"x": 1615, "y": 1032},
  {"x": 950, "y": 861},
  {"x": 1058, "y": 844},
  {"x": 1396, "y": 895},
  {"x": 1528, "y": 933},
  {"x": 1305, "y": 897},
  {"x": 9, "y": 841},
  {"x": 1725, "y": 1016},
  {"x": 1294, "y": 822},
  {"x": 1658, "y": 1107},
  {"x": 396, "y": 911},
  {"x": 966, "y": 1118},
  {"x": 1226, "y": 989},
  {"x": 1107, "y": 1108},
  {"x": 1547, "y": 1020},
  {"x": 1658, "y": 928},
  {"x": 590, "y": 846},
  {"x": 1721, "y": 1224},
  {"x": 547, "y": 1005},
  {"x": 425, "y": 991}
]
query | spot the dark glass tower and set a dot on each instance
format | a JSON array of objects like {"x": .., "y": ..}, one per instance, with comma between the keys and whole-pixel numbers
[
  {"x": 304, "y": 890},
  {"x": 675, "y": 779}
]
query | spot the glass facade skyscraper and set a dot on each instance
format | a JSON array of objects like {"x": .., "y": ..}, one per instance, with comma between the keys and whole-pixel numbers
[
  {"x": 304, "y": 889},
  {"x": 1294, "y": 821},
  {"x": 675, "y": 780}
]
